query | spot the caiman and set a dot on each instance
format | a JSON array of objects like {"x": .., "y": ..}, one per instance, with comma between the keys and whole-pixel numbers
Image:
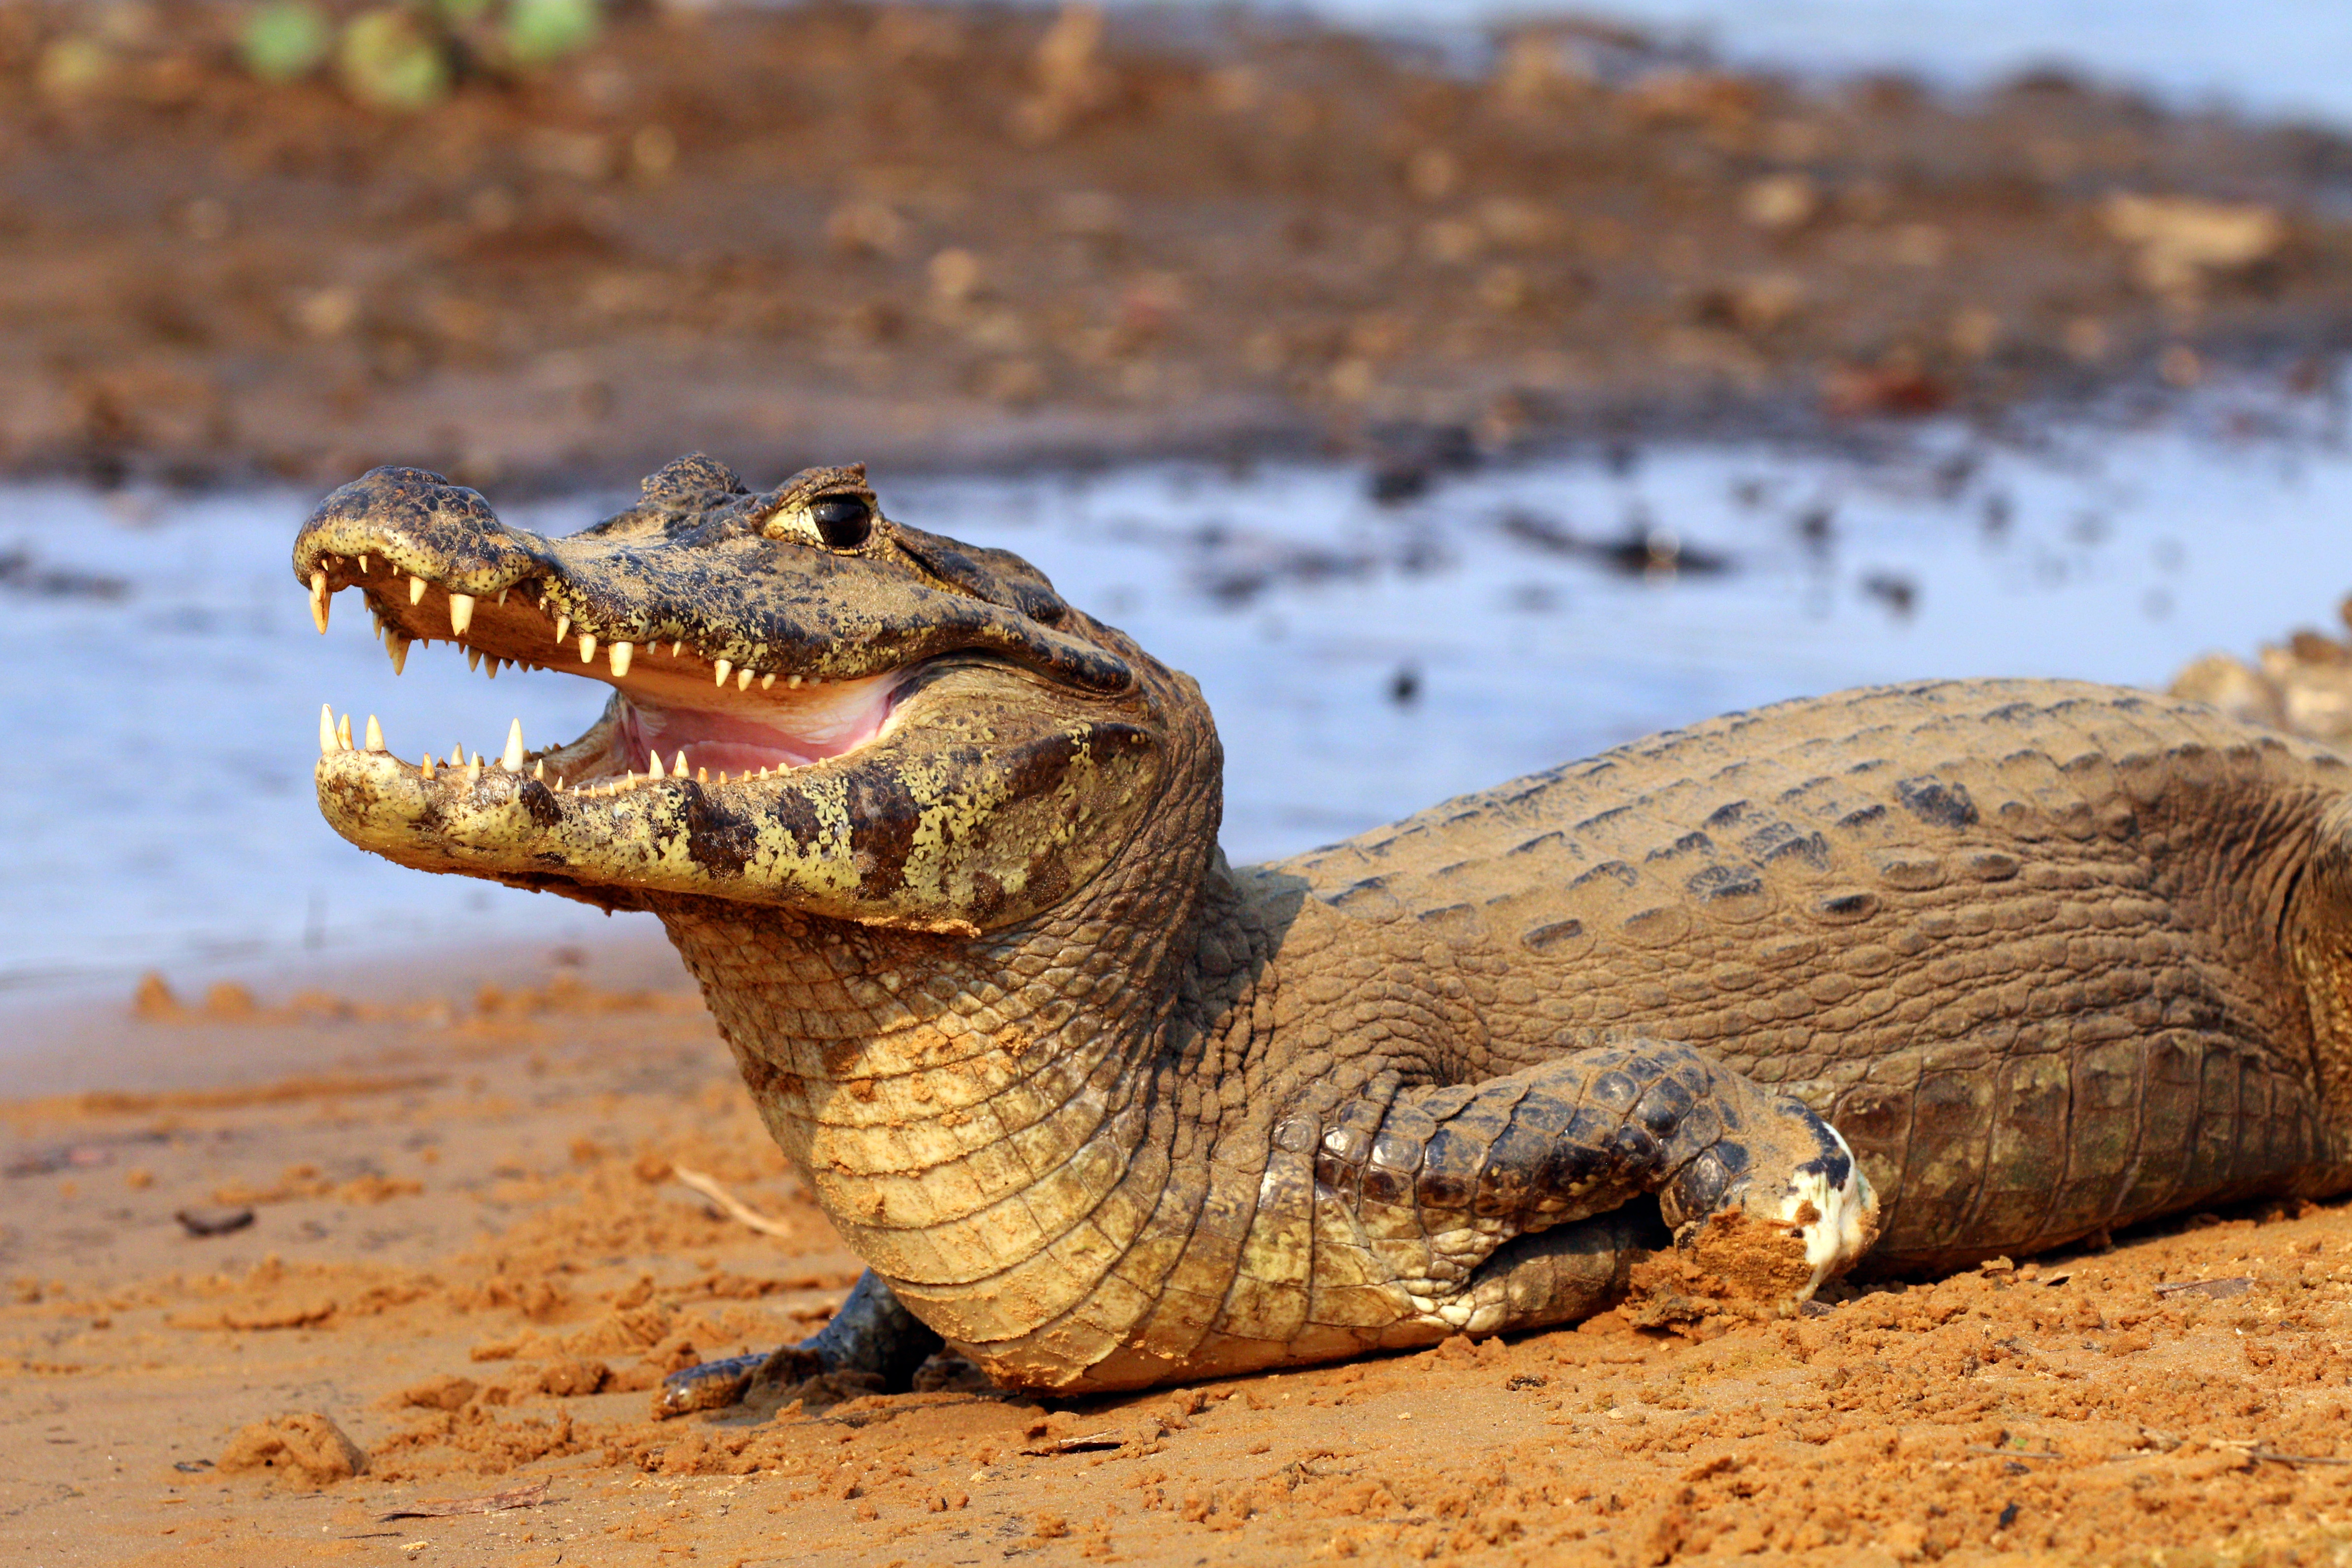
[{"x": 1932, "y": 972}]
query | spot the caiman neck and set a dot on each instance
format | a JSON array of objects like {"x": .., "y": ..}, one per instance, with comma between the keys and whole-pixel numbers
[{"x": 983, "y": 1119}]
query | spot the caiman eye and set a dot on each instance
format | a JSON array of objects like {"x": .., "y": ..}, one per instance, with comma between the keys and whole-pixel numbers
[{"x": 844, "y": 522}]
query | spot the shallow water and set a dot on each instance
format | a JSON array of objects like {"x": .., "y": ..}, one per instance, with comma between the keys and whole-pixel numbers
[
  {"x": 1364, "y": 659},
  {"x": 2271, "y": 57}
]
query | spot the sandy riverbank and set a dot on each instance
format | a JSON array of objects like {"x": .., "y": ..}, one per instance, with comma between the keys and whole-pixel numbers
[{"x": 471, "y": 1254}]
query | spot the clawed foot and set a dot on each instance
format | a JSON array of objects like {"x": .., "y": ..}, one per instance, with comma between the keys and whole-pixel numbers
[
  {"x": 872, "y": 1337},
  {"x": 1778, "y": 1211}
]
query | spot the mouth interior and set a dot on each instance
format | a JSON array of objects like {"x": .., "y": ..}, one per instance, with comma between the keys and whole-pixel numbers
[
  {"x": 677, "y": 712},
  {"x": 829, "y": 719}
]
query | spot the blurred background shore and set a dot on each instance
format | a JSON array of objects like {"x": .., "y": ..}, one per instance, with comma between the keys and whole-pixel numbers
[{"x": 290, "y": 242}]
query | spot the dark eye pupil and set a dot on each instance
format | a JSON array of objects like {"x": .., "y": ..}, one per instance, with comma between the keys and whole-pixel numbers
[{"x": 842, "y": 521}]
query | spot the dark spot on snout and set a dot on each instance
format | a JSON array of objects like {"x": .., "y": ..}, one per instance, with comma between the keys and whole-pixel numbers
[
  {"x": 541, "y": 802},
  {"x": 718, "y": 841},
  {"x": 1932, "y": 800},
  {"x": 886, "y": 816}
]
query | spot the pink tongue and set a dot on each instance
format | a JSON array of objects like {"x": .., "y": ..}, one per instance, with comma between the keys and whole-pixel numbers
[{"x": 731, "y": 743}]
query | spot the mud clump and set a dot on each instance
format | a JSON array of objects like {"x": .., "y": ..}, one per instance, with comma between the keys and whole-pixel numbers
[
  {"x": 304, "y": 1444},
  {"x": 1730, "y": 1265},
  {"x": 444, "y": 1391}
]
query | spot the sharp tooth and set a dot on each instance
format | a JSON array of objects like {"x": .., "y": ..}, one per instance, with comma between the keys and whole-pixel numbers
[
  {"x": 725, "y": 670},
  {"x": 398, "y": 646},
  {"x": 502, "y": 596},
  {"x": 620, "y": 652},
  {"x": 587, "y": 647},
  {"x": 327, "y": 747},
  {"x": 743, "y": 680},
  {"x": 701, "y": 775},
  {"x": 494, "y": 669},
  {"x": 426, "y": 767},
  {"x": 343, "y": 734},
  {"x": 539, "y": 770},
  {"x": 562, "y": 627},
  {"x": 364, "y": 566},
  {"x": 675, "y": 648},
  {"x": 511, "y": 757},
  {"x": 558, "y": 781},
  {"x": 456, "y": 756},
  {"x": 415, "y": 589},
  {"x": 677, "y": 764},
  {"x": 319, "y": 600},
  {"x": 474, "y": 768},
  {"x": 767, "y": 680},
  {"x": 374, "y": 735},
  {"x": 461, "y": 612},
  {"x": 473, "y": 658},
  {"x": 654, "y": 767}
]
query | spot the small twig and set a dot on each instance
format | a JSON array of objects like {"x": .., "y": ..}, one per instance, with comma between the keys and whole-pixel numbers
[
  {"x": 2012, "y": 1453},
  {"x": 527, "y": 1496},
  {"x": 2255, "y": 1449},
  {"x": 1087, "y": 1444},
  {"x": 735, "y": 1207}
]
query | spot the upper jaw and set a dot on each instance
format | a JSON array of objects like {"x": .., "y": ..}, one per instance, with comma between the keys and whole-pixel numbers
[{"x": 706, "y": 621}]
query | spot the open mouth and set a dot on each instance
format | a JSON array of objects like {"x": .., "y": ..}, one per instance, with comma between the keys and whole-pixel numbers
[
  {"x": 676, "y": 713},
  {"x": 887, "y": 729}
]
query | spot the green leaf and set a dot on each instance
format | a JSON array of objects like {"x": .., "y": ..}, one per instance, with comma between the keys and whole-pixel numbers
[
  {"x": 387, "y": 61},
  {"x": 284, "y": 40},
  {"x": 542, "y": 30}
]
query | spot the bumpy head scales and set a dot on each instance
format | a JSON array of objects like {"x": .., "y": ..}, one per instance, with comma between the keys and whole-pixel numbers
[{"x": 815, "y": 707}]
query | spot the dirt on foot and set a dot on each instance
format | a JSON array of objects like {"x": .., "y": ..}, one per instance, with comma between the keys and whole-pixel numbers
[
  {"x": 833, "y": 232},
  {"x": 473, "y": 1251}
]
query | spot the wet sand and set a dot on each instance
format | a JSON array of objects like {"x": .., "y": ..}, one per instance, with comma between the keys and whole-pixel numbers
[
  {"x": 949, "y": 238},
  {"x": 470, "y": 1253}
]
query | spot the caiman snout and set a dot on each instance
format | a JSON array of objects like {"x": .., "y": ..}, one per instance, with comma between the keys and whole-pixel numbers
[{"x": 815, "y": 705}]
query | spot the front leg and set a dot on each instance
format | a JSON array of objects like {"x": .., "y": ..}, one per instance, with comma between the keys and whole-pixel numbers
[
  {"x": 872, "y": 1332},
  {"x": 1444, "y": 1182}
]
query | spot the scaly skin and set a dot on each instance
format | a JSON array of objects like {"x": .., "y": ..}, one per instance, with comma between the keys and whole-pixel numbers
[{"x": 1103, "y": 1110}]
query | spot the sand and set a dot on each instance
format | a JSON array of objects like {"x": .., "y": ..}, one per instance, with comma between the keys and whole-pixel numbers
[{"x": 471, "y": 1256}]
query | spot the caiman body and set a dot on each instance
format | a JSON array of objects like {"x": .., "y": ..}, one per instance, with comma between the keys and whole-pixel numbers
[{"x": 1103, "y": 1110}]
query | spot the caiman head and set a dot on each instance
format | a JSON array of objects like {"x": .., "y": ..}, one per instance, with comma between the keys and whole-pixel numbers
[{"x": 815, "y": 708}]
